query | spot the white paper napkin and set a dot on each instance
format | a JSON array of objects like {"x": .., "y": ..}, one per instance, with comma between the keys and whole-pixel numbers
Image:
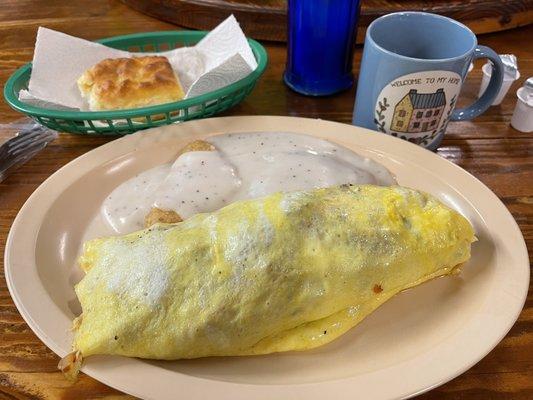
[{"x": 222, "y": 57}]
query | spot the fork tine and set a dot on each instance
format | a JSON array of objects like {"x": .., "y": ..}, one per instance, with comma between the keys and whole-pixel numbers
[
  {"x": 21, "y": 140},
  {"x": 28, "y": 139},
  {"x": 21, "y": 158},
  {"x": 29, "y": 130},
  {"x": 39, "y": 142}
]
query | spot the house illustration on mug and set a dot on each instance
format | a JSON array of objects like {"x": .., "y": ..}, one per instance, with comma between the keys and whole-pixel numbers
[{"x": 418, "y": 112}]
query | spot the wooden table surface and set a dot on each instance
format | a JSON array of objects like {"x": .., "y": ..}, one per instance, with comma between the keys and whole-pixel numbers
[{"x": 488, "y": 147}]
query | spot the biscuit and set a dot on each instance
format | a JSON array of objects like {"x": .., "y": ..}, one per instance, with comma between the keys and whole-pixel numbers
[{"x": 123, "y": 83}]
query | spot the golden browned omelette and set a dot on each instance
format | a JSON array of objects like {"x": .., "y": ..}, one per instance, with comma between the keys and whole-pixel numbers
[
  {"x": 289, "y": 271},
  {"x": 121, "y": 83}
]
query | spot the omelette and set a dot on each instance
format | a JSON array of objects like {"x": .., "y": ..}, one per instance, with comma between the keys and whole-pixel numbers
[{"x": 290, "y": 271}]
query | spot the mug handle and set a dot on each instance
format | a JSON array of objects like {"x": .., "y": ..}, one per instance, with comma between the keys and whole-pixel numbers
[{"x": 495, "y": 83}]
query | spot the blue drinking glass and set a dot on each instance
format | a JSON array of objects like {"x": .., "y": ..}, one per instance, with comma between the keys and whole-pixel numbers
[{"x": 320, "y": 43}]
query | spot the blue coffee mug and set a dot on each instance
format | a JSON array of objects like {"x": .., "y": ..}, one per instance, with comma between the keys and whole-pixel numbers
[{"x": 412, "y": 70}]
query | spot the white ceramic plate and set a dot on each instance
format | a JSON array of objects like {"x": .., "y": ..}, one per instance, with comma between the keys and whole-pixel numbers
[{"x": 418, "y": 340}]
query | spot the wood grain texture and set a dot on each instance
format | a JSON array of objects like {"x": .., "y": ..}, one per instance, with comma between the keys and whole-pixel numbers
[
  {"x": 487, "y": 147},
  {"x": 265, "y": 19}
]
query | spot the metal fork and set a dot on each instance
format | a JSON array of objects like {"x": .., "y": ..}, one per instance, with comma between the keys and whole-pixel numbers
[{"x": 19, "y": 149}]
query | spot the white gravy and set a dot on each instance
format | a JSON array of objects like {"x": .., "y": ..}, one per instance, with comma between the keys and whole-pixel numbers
[{"x": 244, "y": 166}]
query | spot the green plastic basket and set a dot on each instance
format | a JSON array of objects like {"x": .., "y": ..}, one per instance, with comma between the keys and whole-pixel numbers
[{"x": 122, "y": 122}]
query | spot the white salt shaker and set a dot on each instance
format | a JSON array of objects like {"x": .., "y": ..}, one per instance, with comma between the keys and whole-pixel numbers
[
  {"x": 510, "y": 75},
  {"x": 522, "y": 119}
]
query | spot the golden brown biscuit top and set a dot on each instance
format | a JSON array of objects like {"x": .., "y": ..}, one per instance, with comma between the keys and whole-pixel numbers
[{"x": 130, "y": 82}]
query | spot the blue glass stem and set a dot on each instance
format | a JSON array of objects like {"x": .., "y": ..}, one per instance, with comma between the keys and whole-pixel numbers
[{"x": 320, "y": 43}]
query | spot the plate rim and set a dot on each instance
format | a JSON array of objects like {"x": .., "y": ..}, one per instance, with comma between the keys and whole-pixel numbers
[{"x": 228, "y": 389}]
